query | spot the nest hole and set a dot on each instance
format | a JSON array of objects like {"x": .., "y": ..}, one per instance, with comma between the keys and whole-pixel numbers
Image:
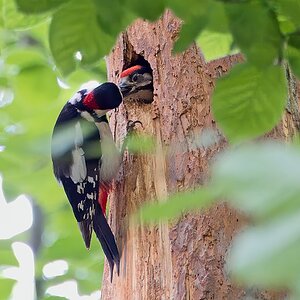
[{"x": 133, "y": 59}]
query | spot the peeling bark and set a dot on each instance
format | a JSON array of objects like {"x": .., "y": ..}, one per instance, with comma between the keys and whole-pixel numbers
[{"x": 185, "y": 259}]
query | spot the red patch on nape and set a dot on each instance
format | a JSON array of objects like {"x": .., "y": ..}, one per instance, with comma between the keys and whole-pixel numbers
[
  {"x": 102, "y": 199},
  {"x": 130, "y": 70},
  {"x": 90, "y": 101}
]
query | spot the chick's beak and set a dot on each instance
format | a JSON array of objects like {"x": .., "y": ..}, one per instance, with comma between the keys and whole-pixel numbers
[{"x": 126, "y": 86}]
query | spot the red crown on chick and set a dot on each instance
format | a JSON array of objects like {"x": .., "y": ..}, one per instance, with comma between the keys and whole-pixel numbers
[{"x": 130, "y": 70}]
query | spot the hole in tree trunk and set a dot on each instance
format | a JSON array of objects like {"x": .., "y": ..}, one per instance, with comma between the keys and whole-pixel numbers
[{"x": 144, "y": 95}]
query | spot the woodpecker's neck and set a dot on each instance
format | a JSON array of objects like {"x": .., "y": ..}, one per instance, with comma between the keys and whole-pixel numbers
[
  {"x": 111, "y": 158},
  {"x": 98, "y": 119}
]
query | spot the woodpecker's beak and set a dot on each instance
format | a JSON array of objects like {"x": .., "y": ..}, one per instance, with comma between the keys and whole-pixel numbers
[{"x": 126, "y": 88}]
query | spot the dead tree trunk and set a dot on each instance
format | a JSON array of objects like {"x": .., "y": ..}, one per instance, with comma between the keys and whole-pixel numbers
[{"x": 183, "y": 260}]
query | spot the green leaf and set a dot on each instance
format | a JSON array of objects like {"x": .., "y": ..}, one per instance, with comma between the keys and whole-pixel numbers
[
  {"x": 188, "y": 34},
  {"x": 40, "y": 95},
  {"x": 268, "y": 255},
  {"x": 293, "y": 53},
  {"x": 256, "y": 31},
  {"x": 6, "y": 286},
  {"x": 25, "y": 58},
  {"x": 248, "y": 101},
  {"x": 74, "y": 28},
  {"x": 289, "y": 9},
  {"x": 175, "y": 205},
  {"x": 38, "y": 6},
  {"x": 195, "y": 15},
  {"x": 1, "y": 14},
  {"x": 189, "y": 9},
  {"x": 214, "y": 44},
  {"x": 13, "y": 19},
  {"x": 150, "y": 10},
  {"x": 140, "y": 144},
  {"x": 113, "y": 16},
  {"x": 261, "y": 180},
  {"x": 7, "y": 257}
]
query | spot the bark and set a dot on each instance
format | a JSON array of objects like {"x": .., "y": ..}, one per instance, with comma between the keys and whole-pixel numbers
[{"x": 185, "y": 259}]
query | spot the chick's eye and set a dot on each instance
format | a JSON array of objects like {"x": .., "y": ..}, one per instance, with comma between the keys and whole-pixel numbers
[{"x": 134, "y": 77}]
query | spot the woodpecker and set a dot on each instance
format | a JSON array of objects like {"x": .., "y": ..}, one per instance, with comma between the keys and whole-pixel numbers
[
  {"x": 136, "y": 83},
  {"x": 85, "y": 160}
]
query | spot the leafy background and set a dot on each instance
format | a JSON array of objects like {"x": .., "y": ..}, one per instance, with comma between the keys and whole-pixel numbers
[{"x": 49, "y": 45}]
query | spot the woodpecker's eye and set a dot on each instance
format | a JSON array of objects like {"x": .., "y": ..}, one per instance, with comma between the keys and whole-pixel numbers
[{"x": 134, "y": 77}]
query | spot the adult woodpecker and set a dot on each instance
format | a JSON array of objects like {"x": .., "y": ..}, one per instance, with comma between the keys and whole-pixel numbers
[{"x": 85, "y": 158}]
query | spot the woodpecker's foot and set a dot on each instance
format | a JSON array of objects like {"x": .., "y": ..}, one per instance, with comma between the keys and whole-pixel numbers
[
  {"x": 131, "y": 125},
  {"x": 130, "y": 129}
]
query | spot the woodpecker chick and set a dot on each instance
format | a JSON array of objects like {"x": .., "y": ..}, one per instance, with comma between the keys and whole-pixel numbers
[
  {"x": 85, "y": 160},
  {"x": 136, "y": 83}
]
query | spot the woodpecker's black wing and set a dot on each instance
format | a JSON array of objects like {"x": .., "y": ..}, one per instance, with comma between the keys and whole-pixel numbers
[
  {"x": 78, "y": 173},
  {"x": 76, "y": 156}
]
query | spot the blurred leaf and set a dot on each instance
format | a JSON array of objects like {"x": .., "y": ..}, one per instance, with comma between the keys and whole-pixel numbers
[
  {"x": 113, "y": 16},
  {"x": 214, "y": 44},
  {"x": 35, "y": 88},
  {"x": 140, "y": 144},
  {"x": 261, "y": 180},
  {"x": 188, "y": 34},
  {"x": 13, "y": 19},
  {"x": 189, "y": 9},
  {"x": 293, "y": 53},
  {"x": 22, "y": 58},
  {"x": 249, "y": 102},
  {"x": 175, "y": 205},
  {"x": 289, "y": 9},
  {"x": 47, "y": 297},
  {"x": 7, "y": 257},
  {"x": 150, "y": 10},
  {"x": 68, "y": 247},
  {"x": 195, "y": 16},
  {"x": 6, "y": 286},
  {"x": 246, "y": 18},
  {"x": 268, "y": 256},
  {"x": 1, "y": 14},
  {"x": 74, "y": 28},
  {"x": 38, "y": 6}
]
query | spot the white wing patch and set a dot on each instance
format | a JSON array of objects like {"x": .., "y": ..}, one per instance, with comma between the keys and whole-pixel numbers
[
  {"x": 78, "y": 135},
  {"x": 78, "y": 168},
  {"x": 75, "y": 98}
]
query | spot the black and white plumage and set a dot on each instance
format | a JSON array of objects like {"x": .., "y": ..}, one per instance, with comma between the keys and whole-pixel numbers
[{"x": 85, "y": 160}]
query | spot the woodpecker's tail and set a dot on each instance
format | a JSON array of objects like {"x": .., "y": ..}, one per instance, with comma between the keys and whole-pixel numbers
[{"x": 107, "y": 240}]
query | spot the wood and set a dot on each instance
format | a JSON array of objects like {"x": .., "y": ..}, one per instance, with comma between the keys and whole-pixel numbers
[{"x": 183, "y": 260}]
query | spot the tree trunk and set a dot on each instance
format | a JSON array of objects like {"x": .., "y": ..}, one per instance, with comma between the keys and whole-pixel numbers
[{"x": 185, "y": 259}]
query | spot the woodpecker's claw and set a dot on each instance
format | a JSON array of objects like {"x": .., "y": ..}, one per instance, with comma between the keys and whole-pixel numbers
[
  {"x": 129, "y": 128},
  {"x": 131, "y": 124}
]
